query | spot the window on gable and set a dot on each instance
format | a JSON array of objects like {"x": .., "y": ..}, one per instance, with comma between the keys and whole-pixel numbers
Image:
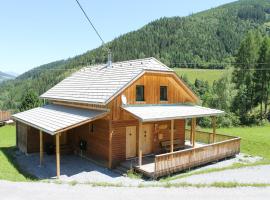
[
  {"x": 163, "y": 93},
  {"x": 139, "y": 93}
]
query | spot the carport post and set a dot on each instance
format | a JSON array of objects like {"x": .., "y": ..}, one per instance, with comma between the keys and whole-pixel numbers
[
  {"x": 57, "y": 155},
  {"x": 40, "y": 148}
]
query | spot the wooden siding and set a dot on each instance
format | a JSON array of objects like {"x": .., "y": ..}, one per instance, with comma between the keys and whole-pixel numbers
[
  {"x": 160, "y": 132},
  {"x": 81, "y": 105},
  {"x": 177, "y": 93},
  {"x": 4, "y": 115},
  {"x": 21, "y": 131},
  {"x": 97, "y": 141},
  {"x": 119, "y": 139}
]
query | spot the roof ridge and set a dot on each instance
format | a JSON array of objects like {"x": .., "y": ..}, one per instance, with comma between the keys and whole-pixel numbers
[{"x": 125, "y": 61}]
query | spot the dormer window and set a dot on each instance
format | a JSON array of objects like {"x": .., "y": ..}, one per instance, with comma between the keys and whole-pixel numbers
[
  {"x": 139, "y": 92},
  {"x": 163, "y": 93}
]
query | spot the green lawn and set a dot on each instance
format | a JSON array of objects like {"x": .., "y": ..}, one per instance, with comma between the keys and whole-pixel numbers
[
  {"x": 202, "y": 74},
  {"x": 254, "y": 140},
  {"x": 8, "y": 168}
]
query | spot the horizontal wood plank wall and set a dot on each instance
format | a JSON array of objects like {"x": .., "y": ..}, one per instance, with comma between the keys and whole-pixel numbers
[
  {"x": 33, "y": 140},
  {"x": 162, "y": 133},
  {"x": 159, "y": 129},
  {"x": 21, "y": 136},
  {"x": 177, "y": 93},
  {"x": 97, "y": 141},
  {"x": 80, "y": 105},
  {"x": 119, "y": 139}
]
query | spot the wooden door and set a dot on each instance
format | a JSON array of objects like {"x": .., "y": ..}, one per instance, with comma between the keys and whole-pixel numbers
[
  {"x": 146, "y": 139},
  {"x": 130, "y": 141}
]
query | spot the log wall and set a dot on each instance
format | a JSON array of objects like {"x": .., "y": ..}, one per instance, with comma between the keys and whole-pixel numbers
[{"x": 160, "y": 132}]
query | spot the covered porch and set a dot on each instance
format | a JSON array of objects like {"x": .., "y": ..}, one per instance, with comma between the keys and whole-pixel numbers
[
  {"x": 54, "y": 122},
  {"x": 200, "y": 147}
]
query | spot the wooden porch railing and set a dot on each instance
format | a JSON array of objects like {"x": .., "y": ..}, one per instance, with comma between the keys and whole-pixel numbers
[
  {"x": 4, "y": 115},
  {"x": 225, "y": 146}
]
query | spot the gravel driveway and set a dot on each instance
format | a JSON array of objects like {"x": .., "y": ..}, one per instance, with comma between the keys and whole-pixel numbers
[{"x": 46, "y": 191}]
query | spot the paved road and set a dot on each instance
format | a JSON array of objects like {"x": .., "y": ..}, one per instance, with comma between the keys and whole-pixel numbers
[{"x": 46, "y": 191}]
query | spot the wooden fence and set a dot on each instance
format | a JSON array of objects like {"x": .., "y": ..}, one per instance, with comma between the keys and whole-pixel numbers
[
  {"x": 225, "y": 146},
  {"x": 4, "y": 115}
]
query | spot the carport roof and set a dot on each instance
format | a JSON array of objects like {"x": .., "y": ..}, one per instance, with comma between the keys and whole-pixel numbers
[
  {"x": 148, "y": 113},
  {"x": 53, "y": 119}
]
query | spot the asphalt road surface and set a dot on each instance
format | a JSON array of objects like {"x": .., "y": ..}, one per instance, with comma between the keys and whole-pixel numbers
[{"x": 51, "y": 191}]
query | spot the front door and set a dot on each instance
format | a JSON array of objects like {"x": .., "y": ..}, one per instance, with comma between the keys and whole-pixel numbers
[
  {"x": 146, "y": 139},
  {"x": 130, "y": 141}
]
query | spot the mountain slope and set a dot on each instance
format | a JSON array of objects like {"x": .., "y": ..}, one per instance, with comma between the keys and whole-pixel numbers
[
  {"x": 5, "y": 76},
  {"x": 207, "y": 39}
]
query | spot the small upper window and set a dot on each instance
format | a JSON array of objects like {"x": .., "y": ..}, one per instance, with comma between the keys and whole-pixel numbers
[
  {"x": 163, "y": 93},
  {"x": 139, "y": 93}
]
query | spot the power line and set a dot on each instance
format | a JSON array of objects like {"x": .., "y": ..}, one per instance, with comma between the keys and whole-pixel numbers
[{"x": 88, "y": 19}]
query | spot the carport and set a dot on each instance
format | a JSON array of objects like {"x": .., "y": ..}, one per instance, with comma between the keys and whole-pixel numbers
[{"x": 54, "y": 120}]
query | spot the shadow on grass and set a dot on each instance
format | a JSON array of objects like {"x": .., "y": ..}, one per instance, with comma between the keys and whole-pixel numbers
[{"x": 10, "y": 154}]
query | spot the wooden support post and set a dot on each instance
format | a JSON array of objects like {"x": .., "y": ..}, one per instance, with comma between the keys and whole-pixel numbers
[
  {"x": 214, "y": 119},
  {"x": 110, "y": 150},
  {"x": 57, "y": 142},
  {"x": 172, "y": 132},
  {"x": 193, "y": 131},
  {"x": 139, "y": 144},
  {"x": 40, "y": 148}
]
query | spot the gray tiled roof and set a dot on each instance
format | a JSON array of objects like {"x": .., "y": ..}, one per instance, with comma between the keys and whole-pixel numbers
[
  {"x": 97, "y": 84},
  {"x": 54, "y": 118}
]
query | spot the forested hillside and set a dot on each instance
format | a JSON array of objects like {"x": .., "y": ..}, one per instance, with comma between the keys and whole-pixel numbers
[{"x": 207, "y": 39}]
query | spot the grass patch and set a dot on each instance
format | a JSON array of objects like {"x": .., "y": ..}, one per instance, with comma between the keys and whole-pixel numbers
[
  {"x": 255, "y": 140},
  {"x": 73, "y": 183},
  {"x": 209, "y": 75},
  {"x": 105, "y": 184},
  {"x": 205, "y": 185},
  {"x": 9, "y": 169},
  {"x": 134, "y": 175},
  {"x": 217, "y": 185}
]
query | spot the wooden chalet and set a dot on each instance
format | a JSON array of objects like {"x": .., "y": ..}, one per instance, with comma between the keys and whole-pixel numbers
[{"x": 132, "y": 111}]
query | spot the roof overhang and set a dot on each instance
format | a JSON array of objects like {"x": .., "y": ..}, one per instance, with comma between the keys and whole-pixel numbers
[
  {"x": 149, "y": 113},
  {"x": 54, "y": 119}
]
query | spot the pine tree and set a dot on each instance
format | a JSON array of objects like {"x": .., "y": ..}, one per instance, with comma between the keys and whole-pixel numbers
[
  {"x": 262, "y": 77},
  {"x": 243, "y": 75}
]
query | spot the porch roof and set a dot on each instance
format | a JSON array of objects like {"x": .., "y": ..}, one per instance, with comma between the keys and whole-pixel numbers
[
  {"x": 53, "y": 119},
  {"x": 147, "y": 113}
]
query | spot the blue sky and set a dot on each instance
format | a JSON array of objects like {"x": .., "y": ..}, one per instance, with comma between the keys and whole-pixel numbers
[{"x": 35, "y": 32}]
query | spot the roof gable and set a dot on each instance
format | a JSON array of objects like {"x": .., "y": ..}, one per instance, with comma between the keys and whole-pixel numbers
[{"x": 98, "y": 84}]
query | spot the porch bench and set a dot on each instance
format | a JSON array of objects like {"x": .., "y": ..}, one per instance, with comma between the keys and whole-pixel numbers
[{"x": 166, "y": 145}]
